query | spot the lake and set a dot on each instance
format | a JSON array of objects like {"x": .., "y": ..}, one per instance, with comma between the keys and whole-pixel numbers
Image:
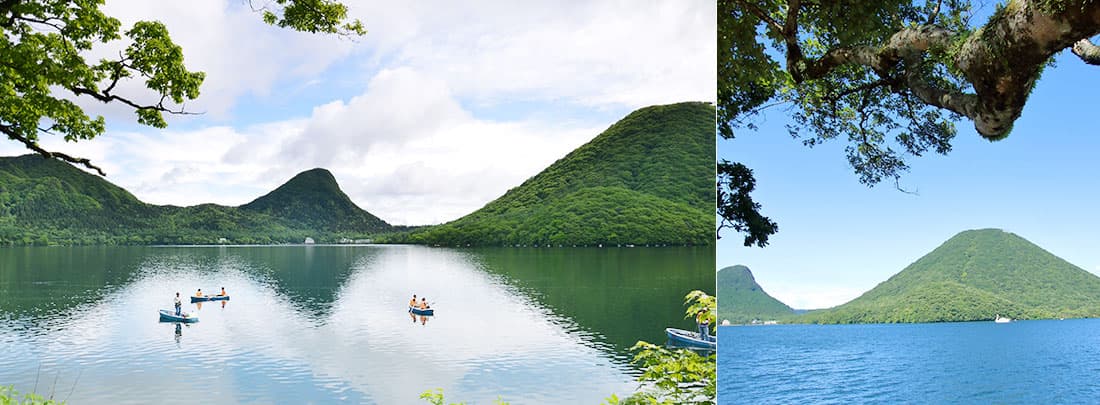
[
  {"x": 319, "y": 324},
  {"x": 1028, "y": 362}
]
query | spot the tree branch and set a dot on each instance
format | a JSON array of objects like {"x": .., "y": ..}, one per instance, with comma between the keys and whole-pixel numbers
[
  {"x": 32, "y": 145},
  {"x": 1087, "y": 51},
  {"x": 762, "y": 15},
  {"x": 882, "y": 59},
  {"x": 790, "y": 27},
  {"x": 39, "y": 21},
  {"x": 106, "y": 97},
  {"x": 964, "y": 104},
  {"x": 5, "y": 7},
  {"x": 935, "y": 13}
]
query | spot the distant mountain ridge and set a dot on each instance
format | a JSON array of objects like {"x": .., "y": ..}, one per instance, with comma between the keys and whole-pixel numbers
[
  {"x": 742, "y": 300},
  {"x": 647, "y": 179},
  {"x": 312, "y": 200},
  {"x": 975, "y": 275},
  {"x": 45, "y": 201}
]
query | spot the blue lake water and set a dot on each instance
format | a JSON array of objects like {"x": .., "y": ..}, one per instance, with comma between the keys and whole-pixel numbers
[{"x": 1028, "y": 362}]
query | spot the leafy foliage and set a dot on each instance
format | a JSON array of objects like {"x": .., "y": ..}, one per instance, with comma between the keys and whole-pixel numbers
[
  {"x": 9, "y": 396},
  {"x": 976, "y": 275},
  {"x": 45, "y": 202},
  {"x": 679, "y": 376},
  {"x": 874, "y": 108},
  {"x": 741, "y": 299},
  {"x": 699, "y": 301},
  {"x": 316, "y": 16},
  {"x": 736, "y": 208},
  {"x": 888, "y": 78},
  {"x": 642, "y": 181},
  {"x": 43, "y": 68},
  {"x": 436, "y": 398}
]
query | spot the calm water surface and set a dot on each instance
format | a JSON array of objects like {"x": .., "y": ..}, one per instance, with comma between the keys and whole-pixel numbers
[
  {"x": 321, "y": 324},
  {"x": 1029, "y": 362}
]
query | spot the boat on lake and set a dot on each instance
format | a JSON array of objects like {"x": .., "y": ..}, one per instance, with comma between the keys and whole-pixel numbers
[
  {"x": 170, "y": 316},
  {"x": 195, "y": 299},
  {"x": 1002, "y": 319},
  {"x": 680, "y": 337},
  {"x": 418, "y": 311}
]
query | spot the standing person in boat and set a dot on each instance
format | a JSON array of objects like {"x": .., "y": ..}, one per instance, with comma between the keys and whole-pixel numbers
[
  {"x": 179, "y": 303},
  {"x": 704, "y": 325}
]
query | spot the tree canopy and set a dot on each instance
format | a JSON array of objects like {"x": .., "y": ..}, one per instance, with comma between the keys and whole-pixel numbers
[
  {"x": 44, "y": 65},
  {"x": 891, "y": 78}
]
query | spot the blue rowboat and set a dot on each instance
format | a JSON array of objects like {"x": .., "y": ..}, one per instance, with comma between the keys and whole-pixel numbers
[
  {"x": 170, "y": 316},
  {"x": 682, "y": 337},
  {"x": 418, "y": 311},
  {"x": 195, "y": 299}
]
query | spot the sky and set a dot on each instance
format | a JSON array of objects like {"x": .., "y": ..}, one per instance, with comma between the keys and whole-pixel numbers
[
  {"x": 838, "y": 238},
  {"x": 438, "y": 110}
]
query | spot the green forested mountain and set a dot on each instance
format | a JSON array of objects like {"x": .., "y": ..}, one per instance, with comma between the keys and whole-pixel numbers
[
  {"x": 976, "y": 275},
  {"x": 45, "y": 201},
  {"x": 645, "y": 180},
  {"x": 313, "y": 200},
  {"x": 741, "y": 299}
]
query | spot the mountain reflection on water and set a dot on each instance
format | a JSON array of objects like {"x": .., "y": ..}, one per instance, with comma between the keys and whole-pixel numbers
[{"x": 327, "y": 323}]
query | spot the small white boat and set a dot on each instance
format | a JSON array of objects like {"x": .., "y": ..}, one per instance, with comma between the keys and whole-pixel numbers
[{"x": 1002, "y": 319}]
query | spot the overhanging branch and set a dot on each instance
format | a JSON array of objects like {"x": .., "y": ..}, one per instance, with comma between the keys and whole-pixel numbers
[
  {"x": 32, "y": 145},
  {"x": 1087, "y": 51}
]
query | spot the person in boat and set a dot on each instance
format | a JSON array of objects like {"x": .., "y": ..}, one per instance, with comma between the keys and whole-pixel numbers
[
  {"x": 222, "y": 294},
  {"x": 412, "y": 303},
  {"x": 179, "y": 304},
  {"x": 198, "y": 293},
  {"x": 704, "y": 325},
  {"x": 424, "y": 303}
]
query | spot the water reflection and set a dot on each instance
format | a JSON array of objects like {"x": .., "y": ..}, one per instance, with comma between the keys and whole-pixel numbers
[{"x": 322, "y": 324}]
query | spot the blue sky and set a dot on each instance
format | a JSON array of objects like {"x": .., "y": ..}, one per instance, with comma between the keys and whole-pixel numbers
[
  {"x": 838, "y": 238},
  {"x": 439, "y": 109}
]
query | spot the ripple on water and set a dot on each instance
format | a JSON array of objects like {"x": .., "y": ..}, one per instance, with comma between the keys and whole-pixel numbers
[{"x": 1025, "y": 362}]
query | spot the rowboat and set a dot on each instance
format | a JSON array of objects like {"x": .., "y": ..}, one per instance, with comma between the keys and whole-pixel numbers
[
  {"x": 682, "y": 337},
  {"x": 170, "y": 316},
  {"x": 418, "y": 311},
  {"x": 195, "y": 299}
]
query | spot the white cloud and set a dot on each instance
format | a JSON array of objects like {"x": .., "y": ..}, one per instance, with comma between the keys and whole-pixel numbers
[
  {"x": 415, "y": 145},
  {"x": 593, "y": 53},
  {"x": 241, "y": 56},
  {"x": 403, "y": 150}
]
